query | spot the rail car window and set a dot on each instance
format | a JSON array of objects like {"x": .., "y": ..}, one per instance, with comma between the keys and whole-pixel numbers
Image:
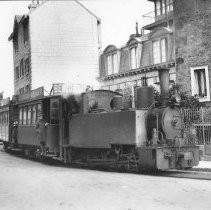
[
  {"x": 29, "y": 115},
  {"x": 54, "y": 113},
  {"x": 7, "y": 116},
  {"x": 39, "y": 111},
  {"x": 21, "y": 116},
  {"x": 33, "y": 116},
  {"x": 24, "y": 115},
  {"x": 2, "y": 118}
]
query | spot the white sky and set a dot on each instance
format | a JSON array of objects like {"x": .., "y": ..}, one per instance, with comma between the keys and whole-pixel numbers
[{"x": 118, "y": 19}]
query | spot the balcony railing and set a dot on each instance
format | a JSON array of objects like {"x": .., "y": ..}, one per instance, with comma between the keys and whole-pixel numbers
[{"x": 158, "y": 14}]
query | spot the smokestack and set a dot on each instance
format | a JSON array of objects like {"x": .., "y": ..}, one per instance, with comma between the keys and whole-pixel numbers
[{"x": 164, "y": 85}]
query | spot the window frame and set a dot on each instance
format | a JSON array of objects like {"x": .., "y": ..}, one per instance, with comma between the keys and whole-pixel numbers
[
  {"x": 194, "y": 86},
  {"x": 161, "y": 55},
  {"x": 15, "y": 44},
  {"x": 113, "y": 61},
  {"x": 163, "y": 7},
  {"x": 17, "y": 72},
  {"x": 158, "y": 9},
  {"x": 22, "y": 68},
  {"x": 26, "y": 66},
  {"x": 137, "y": 64},
  {"x": 25, "y": 33}
]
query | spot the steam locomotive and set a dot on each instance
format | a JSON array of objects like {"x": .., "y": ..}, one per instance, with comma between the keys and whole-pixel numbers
[{"x": 96, "y": 128}]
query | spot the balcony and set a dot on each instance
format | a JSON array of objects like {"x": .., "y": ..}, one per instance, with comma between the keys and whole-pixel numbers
[{"x": 158, "y": 17}]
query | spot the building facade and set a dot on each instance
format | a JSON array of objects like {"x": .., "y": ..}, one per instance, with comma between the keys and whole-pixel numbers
[
  {"x": 56, "y": 42},
  {"x": 177, "y": 38}
]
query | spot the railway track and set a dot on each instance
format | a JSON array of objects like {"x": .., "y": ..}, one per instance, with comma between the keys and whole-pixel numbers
[
  {"x": 194, "y": 173},
  {"x": 202, "y": 174}
]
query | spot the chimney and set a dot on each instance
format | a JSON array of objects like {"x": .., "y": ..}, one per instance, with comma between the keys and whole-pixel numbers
[
  {"x": 164, "y": 85},
  {"x": 1, "y": 95},
  {"x": 137, "y": 32},
  {"x": 34, "y": 4},
  {"x": 142, "y": 31}
]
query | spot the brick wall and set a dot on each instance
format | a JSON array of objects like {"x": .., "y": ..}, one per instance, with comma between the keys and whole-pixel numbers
[{"x": 192, "y": 38}]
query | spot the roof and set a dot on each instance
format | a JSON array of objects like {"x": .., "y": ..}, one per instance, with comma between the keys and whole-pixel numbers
[
  {"x": 20, "y": 18},
  {"x": 88, "y": 10},
  {"x": 17, "y": 20}
]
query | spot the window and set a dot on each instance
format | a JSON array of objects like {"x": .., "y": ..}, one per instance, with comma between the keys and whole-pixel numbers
[
  {"x": 158, "y": 8},
  {"x": 26, "y": 65},
  {"x": 169, "y": 5},
  {"x": 200, "y": 83},
  {"x": 24, "y": 115},
  {"x": 29, "y": 115},
  {"x": 163, "y": 6},
  {"x": 39, "y": 111},
  {"x": 27, "y": 88},
  {"x": 21, "y": 90},
  {"x": 54, "y": 110},
  {"x": 163, "y": 50},
  {"x": 15, "y": 43},
  {"x": 25, "y": 32},
  {"x": 159, "y": 51},
  {"x": 163, "y": 9},
  {"x": 133, "y": 58},
  {"x": 33, "y": 120},
  {"x": 21, "y": 116},
  {"x": 17, "y": 73},
  {"x": 112, "y": 64},
  {"x": 21, "y": 68}
]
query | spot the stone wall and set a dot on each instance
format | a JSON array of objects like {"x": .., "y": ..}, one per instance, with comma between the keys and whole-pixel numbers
[{"x": 192, "y": 38}]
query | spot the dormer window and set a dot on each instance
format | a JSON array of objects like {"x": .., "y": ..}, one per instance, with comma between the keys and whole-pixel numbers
[
  {"x": 112, "y": 67},
  {"x": 159, "y": 51},
  {"x": 133, "y": 58}
]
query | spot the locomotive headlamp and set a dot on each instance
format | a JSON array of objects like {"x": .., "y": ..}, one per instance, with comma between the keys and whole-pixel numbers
[
  {"x": 176, "y": 98},
  {"x": 174, "y": 121}
]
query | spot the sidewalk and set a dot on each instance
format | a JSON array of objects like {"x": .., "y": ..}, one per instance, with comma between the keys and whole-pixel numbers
[{"x": 204, "y": 165}]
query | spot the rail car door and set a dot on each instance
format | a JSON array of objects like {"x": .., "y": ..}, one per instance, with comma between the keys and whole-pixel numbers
[
  {"x": 51, "y": 111},
  {"x": 4, "y": 124}
]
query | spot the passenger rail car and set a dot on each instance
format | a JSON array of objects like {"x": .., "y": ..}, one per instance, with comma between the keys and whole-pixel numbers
[
  {"x": 97, "y": 129},
  {"x": 5, "y": 127}
]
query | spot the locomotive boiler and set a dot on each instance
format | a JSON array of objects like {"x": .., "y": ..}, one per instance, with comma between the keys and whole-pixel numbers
[
  {"x": 143, "y": 137},
  {"x": 96, "y": 128}
]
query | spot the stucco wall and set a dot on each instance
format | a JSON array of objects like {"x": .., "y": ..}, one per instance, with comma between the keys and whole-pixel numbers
[{"x": 64, "y": 44}]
